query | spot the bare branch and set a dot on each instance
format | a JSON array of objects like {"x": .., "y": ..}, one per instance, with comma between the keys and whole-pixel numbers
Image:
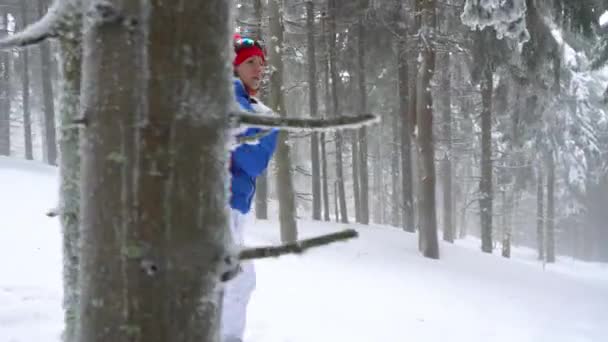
[
  {"x": 45, "y": 28},
  {"x": 305, "y": 124},
  {"x": 253, "y": 139},
  {"x": 297, "y": 247}
]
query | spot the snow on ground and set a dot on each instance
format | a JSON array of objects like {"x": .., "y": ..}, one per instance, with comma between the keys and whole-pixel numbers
[{"x": 376, "y": 288}]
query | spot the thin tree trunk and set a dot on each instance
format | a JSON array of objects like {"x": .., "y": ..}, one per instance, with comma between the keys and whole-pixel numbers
[
  {"x": 336, "y": 108},
  {"x": 540, "y": 214},
  {"x": 324, "y": 184},
  {"x": 285, "y": 189},
  {"x": 363, "y": 139},
  {"x": 25, "y": 91},
  {"x": 485, "y": 185},
  {"x": 378, "y": 194},
  {"x": 153, "y": 246},
  {"x": 427, "y": 212},
  {"x": 355, "y": 166},
  {"x": 507, "y": 205},
  {"x": 395, "y": 180},
  {"x": 261, "y": 193},
  {"x": 328, "y": 105},
  {"x": 446, "y": 94},
  {"x": 550, "y": 232},
  {"x": 70, "y": 53},
  {"x": 406, "y": 138},
  {"x": 5, "y": 96},
  {"x": 312, "y": 85},
  {"x": 47, "y": 90}
]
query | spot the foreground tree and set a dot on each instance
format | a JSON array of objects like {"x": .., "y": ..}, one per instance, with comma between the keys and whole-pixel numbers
[{"x": 156, "y": 110}]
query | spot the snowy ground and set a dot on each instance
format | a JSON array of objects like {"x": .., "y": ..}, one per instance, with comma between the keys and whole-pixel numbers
[{"x": 376, "y": 288}]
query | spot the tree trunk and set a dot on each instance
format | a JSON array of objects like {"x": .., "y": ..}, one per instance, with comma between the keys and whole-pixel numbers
[
  {"x": 5, "y": 96},
  {"x": 285, "y": 189},
  {"x": 540, "y": 214},
  {"x": 325, "y": 181},
  {"x": 446, "y": 107},
  {"x": 507, "y": 205},
  {"x": 312, "y": 85},
  {"x": 70, "y": 54},
  {"x": 550, "y": 232},
  {"x": 406, "y": 140},
  {"x": 424, "y": 109},
  {"x": 485, "y": 184},
  {"x": 396, "y": 139},
  {"x": 355, "y": 166},
  {"x": 47, "y": 90},
  {"x": 261, "y": 193},
  {"x": 378, "y": 194},
  {"x": 332, "y": 9},
  {"x": 363, "y": 139},
  {"x": 25, "y": 91},
  {"x": 153, "y": 246},
  {"x": 324, "y": 184}
]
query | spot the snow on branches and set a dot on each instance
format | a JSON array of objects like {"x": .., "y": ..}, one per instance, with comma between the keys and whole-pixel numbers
[{"x": 508, "y": 17}]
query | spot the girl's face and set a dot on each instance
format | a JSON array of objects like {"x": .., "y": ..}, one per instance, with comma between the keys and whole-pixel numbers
[{"x": 251, "y": 71}]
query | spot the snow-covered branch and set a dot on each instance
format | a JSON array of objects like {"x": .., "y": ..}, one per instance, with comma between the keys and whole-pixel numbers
[
  {"x": 297, "y": 247},
  {"x": 305, "y": 124},
  {"x": 47, "y": 27},
  {"x": 507, "y": 17}
]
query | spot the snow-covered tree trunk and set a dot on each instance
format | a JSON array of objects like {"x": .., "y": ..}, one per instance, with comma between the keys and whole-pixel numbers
[
  {"x": 70, "y": 54},
  {"x": 50, "y": 134},
  {"x": 285, "y": 187},
  {"x": 335, "y": 80},
  {"x": 5, "y": 97},
  {"x": 429, "y": 245},
  {"x": 313, "y": 103},
  {"x": 363, "y": 137},
  {"x": 156, "y": 92},
  {"x": 485, "y": 184},
  {"x": 25, "y": 90}
]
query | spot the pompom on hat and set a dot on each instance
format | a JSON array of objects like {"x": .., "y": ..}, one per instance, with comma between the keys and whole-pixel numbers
[{"x": 245, "y": 48}]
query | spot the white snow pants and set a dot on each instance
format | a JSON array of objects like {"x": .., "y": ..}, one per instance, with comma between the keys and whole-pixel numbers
[{"x": 237, "y": 291}]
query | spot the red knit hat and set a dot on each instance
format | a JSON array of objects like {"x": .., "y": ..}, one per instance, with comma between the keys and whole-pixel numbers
[{"x": 245, "y": 48}]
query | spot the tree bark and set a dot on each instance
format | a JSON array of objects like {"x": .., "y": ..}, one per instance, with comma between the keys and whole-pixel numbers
[
  {"x": 285, "y": 189},
  {"x": 50, "y": 133},
  {"x": 332, "y": 9},
  {"x": 70, "y": 54},
  {"x": 540, "y": 214},
  {"x": 550, "y": 232},
  {"x": 406, "y": 138},
  {"x": 261, "y": 193},
  {"x": 446, "y": 94},
  {"x": 363, "y": 139},
  {"x": 485, "y": 184},
  {"x": 313, "y": 103},
  {"x": 325, "y": 180},
  {"x": 355, "y": 167},
  {"x": 395, "y": 180},
  {"x": 427, "y": 211},
  {"x": 154, "y": 218},
  {"x": 25, "y": 91},
  {"x": 5, "y": 95}
]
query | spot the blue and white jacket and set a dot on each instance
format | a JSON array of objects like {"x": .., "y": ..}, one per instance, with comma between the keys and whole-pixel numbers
[{"x": 248, "y": 161}]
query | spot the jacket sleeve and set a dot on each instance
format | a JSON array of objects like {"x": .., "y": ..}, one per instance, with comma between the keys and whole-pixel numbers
[{"x": 253, "y": 159}]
